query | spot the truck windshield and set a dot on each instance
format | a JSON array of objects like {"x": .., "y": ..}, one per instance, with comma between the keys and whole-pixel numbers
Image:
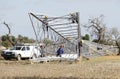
[{"x": 15, "y": 48}]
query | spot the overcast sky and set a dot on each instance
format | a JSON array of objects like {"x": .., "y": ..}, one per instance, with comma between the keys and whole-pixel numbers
[{"x": 15, "y": 12}]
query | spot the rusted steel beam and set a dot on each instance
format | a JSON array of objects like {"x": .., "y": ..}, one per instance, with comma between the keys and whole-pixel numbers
[
  {"x": 69, "y": 33},
  {"x": 61, "y": 24},
  {"x": 79, "y": 35},
  {"x": 33, "y": 27},
  {"x": 61, "y": 27},
  {"x": 66, "y": 30}
]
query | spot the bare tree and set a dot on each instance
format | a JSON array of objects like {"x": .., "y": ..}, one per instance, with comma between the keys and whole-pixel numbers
[
  {"x": 96, "y": 27},
  {"x": 8, "y": 34},
  {"x": 115, "y": 36},
  {"x": 108, "y": 35}
]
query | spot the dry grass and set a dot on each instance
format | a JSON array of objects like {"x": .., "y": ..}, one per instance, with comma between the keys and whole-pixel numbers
[{"x": 107, "y": 67}]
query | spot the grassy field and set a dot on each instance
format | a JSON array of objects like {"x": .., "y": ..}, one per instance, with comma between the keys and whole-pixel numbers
[{"x": 107, "y": 67}]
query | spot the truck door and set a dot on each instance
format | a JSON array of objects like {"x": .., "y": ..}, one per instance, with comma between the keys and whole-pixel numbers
[{"x": 26, "y": 51}]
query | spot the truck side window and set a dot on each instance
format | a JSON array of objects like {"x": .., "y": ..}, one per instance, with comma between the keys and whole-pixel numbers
[
  {"x": 28, "y": 48},
  {"x": 23, "y": 49}
]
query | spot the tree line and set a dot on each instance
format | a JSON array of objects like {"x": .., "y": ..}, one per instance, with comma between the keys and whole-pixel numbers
[
  {"x": 101, "y": 33},
  {"x": 8, "y": 41}
]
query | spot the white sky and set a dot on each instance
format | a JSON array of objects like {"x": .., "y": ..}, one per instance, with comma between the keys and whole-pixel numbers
[{"x": 15, "y": 12}]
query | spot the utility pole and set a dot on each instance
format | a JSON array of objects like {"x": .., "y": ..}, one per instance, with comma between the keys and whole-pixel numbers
[{"x": 79, "y": 34}]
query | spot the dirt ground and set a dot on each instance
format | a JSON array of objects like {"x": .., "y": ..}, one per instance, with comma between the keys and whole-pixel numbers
[{"x": 107, "y": 67}]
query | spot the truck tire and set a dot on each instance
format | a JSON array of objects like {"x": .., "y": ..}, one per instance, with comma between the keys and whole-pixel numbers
[{"x": 19, "y": 57}]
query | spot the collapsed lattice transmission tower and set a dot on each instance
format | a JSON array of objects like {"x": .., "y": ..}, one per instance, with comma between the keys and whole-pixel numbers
[{"x": 54, "y": 31}]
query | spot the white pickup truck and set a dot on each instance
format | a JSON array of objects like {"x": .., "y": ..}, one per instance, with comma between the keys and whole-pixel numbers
[{"x": 20, "y": 52}]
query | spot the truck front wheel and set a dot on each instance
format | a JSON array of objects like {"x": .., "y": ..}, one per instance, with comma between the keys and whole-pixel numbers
[
  {"x": 19, "y": 57},
  {"x": 34, "y": 56}
]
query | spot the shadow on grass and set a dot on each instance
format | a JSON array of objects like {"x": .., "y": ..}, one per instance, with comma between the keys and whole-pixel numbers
[{"x": 40, "y": 78}]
